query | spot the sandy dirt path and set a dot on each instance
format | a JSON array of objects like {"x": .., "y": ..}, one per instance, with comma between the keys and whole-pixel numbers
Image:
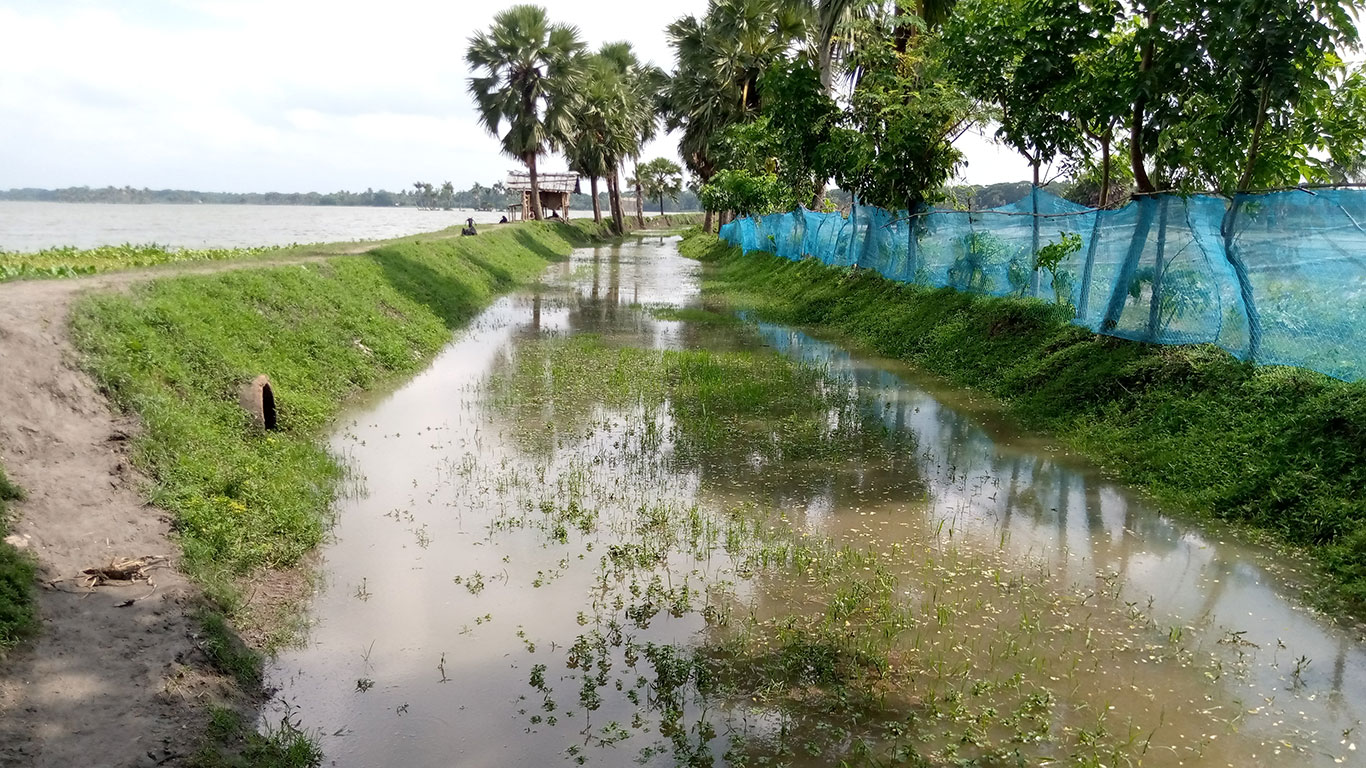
[{"x": 105, "y": 682}]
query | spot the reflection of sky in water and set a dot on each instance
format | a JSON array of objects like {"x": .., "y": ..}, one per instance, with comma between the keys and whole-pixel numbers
[
  {"x": 429, "y": 454},
  {"x": 992, "y": 485}
]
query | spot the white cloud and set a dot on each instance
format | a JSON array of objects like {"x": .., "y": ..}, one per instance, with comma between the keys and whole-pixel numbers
[{"x": 287, "y": 95}]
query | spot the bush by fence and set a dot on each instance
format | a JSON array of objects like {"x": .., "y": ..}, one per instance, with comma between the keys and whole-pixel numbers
[{"x": 1277, "y": 278}]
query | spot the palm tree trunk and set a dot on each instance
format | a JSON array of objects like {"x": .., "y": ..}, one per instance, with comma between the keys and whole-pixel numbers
[
  {"x": 614, "y": 198},
  {"x": 706, "y": 221},
  {"x": 597, "y": 206},
  {"x": 535, "y": 187},
  {"x": 640, "y": 205}
]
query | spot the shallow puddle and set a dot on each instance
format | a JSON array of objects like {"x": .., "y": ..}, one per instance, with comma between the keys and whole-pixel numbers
[{"x": 608, "y": 526}]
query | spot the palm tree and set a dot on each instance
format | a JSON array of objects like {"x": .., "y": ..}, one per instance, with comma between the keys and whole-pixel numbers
[
  {"x": 645, "y": 83},
  {"x": 720, "y": 58},
  {"x": 530, "y": 67},
  {"x": 602, "y": 130}
]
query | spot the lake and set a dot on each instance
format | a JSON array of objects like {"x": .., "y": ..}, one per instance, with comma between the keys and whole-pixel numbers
[{"x": 29, "y": 226}]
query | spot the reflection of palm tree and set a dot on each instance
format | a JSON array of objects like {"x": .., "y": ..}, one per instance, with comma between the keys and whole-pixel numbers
[{"x": 529, "y": 71}]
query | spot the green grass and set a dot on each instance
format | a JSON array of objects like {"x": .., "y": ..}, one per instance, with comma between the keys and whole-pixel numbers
[
  {"x": 17, "y": 617},
  {"x": 1280, "y": 449},
  {"x": 234, "y": 743},
  {"x": 176, "y": 350},
  {"x": 74, "y": 262}
]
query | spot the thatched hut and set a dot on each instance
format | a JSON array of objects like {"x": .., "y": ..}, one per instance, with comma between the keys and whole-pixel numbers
[{"x": 555, "y": 191}]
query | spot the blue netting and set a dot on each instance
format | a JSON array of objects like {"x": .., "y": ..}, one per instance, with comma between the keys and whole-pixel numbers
[{"x": 1277, "y": 278}]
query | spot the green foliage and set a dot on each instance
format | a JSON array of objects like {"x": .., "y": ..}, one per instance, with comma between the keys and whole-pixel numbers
[
  {"x": 1275, "y": 448},
  {"x": 74, "y": 262},
  {"x": 800, "y": 116},
  {"x": 1020, "y": 56},
  {"x": 235, "y": 743},
  {"x": 895, "y": 142},
  {"x": 720, "y": 58},
  {"x": 1230, "y": 93},
  {"x": 175, "y": 351},
  {"x": 749, "y": 194},
  {"x": 1053, "y": 254},
  {"x": 227, "y": 651},
  {"x": 17, "y": 617}
]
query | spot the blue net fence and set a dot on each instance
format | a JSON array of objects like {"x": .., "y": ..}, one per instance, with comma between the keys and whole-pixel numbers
[{"x": 1276, "y": 278}]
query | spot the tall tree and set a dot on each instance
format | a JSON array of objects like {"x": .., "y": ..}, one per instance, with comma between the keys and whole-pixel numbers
[
  {"x": 644, "y": 84},
  {"x": 659, "y": 178},
  {"x": 602, "y": 132},
  {"x": 719, "y": 60},
  {"x": 529, "y": 70}
]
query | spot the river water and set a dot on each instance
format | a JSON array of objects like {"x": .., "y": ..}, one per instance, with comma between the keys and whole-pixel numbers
[
  {"x": 535, "y": 537},
  {"x": 27, "y": 226}
]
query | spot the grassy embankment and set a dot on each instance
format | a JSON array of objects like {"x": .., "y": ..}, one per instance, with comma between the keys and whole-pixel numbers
[
  {"x": 17, "y": 619},
  {"x": 67, "y": 261},
  {"x": 250, "y": 504},
  {"x": 1280, "y": 449}
]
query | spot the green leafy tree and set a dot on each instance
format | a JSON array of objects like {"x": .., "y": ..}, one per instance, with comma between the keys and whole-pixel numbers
[
  {"x": 744, "y": 192},
  {"x": 530, "y": 68},
  {"x": 1226, "y": 91},
  {"x": 893, "y": 146},
  {"x": 800, "y": 116},
  {"x": 659, "y": 178}
]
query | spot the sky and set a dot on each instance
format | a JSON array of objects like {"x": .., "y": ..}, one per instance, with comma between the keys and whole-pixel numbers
[{"x": 283, "y": 95}]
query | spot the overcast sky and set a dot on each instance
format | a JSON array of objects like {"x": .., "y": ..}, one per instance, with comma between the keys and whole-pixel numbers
[{"x": 280, "y": 95}]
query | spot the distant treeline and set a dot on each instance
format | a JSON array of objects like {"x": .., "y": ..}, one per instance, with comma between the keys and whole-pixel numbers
[
  {"x": 478, "y": 196},
  {"x": 421, "y": 195}
]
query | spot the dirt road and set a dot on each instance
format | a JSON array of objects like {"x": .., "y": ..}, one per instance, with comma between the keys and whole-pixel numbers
[{"x": 106, "y": 682}]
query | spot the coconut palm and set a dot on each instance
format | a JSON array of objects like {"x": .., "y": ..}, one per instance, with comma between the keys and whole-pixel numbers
[{"x": 529, "y": 71}]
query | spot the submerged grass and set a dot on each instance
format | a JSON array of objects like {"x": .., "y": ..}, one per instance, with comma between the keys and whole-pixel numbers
[
  {"x": 813, "y": 649},
  {"x": 1276, "y": 448},
  {"x": 176, "y": 351},
  {"x": 17, "y": 617}
]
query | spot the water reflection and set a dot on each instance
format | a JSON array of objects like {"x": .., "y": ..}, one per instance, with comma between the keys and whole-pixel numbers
[
  {"x": 926, "y": 466},
  {"x": 999, "y": 488}
]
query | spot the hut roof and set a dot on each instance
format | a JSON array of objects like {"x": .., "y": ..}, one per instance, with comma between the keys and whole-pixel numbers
[{"x": 520, "y": 181}]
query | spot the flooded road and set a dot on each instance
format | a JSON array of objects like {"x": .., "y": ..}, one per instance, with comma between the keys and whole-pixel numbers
[{"x": 609, "y": 526}]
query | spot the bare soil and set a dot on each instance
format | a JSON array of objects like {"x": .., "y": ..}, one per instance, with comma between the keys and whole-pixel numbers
[{"x": 115, "y": 676}]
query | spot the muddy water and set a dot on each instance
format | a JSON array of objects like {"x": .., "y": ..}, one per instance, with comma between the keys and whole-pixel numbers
[{"x": 527, "y": 547}]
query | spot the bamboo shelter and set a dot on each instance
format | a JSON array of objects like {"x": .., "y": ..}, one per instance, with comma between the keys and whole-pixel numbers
[{"x": 555, "y": 191}]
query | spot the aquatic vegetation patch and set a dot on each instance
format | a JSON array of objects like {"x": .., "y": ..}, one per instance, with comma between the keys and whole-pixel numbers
[
  {"x": 717, "y": 631},
  {"x": 75, "y": 262},
  {"x": 723, "y": 408},
  {"x": 1276, "y": 448}
]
